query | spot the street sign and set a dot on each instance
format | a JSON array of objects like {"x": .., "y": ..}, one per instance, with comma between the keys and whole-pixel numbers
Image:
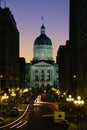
[{"x": 59, "y": 116}]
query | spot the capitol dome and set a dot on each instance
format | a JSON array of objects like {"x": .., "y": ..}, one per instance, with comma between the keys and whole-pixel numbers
[
  {"x": 42, "y": 39},
  {"x": 42, "y": 46}
]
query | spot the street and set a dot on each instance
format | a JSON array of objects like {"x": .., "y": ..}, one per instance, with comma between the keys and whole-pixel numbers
[{"x": 38, "y": 116}]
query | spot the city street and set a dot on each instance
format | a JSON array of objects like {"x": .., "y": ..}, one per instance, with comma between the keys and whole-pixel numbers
[
  {"x": 43, "y": 76},
  {"x": 38, "y": 116}
]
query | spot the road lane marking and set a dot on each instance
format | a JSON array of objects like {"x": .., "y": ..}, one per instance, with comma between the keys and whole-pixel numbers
[
  {"x": 15, "y": 125},
  {"x": 22, "y": 124}
]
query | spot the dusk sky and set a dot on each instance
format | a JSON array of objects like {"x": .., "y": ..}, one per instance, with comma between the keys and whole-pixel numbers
[{"x": 28, "y": 13}]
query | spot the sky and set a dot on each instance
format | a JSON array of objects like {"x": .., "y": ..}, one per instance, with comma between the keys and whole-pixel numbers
[{"x": 28, "y": 13}]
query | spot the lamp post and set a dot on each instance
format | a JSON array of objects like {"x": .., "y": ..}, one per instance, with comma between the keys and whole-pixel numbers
[
  {"x": 70, "y": 100},
  {"x": 13, "y": 94},
  {"x": 4, "y": 98},
  {"x": 79, "y": 103},
  {"x": 4, "y": 103}
]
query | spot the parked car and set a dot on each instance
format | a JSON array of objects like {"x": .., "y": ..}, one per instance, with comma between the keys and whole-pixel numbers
[
  {"x": 14, "y": 111},
  {"x": 1, "y": 121}
]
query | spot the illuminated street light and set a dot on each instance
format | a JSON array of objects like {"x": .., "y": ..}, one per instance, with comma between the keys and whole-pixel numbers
[
  {"x": 4, "y": 98},
  {"x": 79, "y": 101},
  {"x": 58, "y": 92},
  {"x": 13, "y": 94},
  {"x": 25, "y": 90},
  {"x": 70, "y": 99},
  {"x": 74, "y": 76}
]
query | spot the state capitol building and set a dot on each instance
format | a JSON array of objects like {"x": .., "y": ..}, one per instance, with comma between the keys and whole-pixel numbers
[{"x": 42, "y": 72}]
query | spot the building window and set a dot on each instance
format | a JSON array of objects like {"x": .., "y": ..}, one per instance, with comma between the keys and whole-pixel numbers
[
  {"x": 36, "y": 71},
  {"x": 48, "y": 71},
  {"x": 36, "y": 78},
  {"x": 42, "y": 71}
]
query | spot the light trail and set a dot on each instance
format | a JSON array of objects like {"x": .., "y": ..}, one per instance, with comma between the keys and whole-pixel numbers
[
  {"x": 22, "y": 124},
  {"x": 15, "y": 125}
]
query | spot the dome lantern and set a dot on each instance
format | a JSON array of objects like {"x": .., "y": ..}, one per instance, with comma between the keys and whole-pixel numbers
[{"x": 42, "y": 29}]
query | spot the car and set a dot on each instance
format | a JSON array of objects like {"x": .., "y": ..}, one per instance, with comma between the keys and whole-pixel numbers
[{"x": 1, "y": 121}]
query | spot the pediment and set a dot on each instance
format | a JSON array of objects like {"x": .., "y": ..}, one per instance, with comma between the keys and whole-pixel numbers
[{"x": 42, "y": 63}]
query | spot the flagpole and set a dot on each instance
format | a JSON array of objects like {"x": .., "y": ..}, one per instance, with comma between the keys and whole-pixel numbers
[{"x": 42, "y": 18}]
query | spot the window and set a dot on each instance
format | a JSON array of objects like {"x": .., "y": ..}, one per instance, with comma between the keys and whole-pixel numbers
[{"x": 36, "y": 71}]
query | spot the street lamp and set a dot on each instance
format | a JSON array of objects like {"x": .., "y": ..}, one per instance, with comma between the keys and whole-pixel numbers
[
  {"x": 4, "y": 98},
  {"x": 4, "y": 103},
  {"x": 79, "y": 101},
  {"x": 70, "y": 100},
  {"x": 13, "y": 94}
]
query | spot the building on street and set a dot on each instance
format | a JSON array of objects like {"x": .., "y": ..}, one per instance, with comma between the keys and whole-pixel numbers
[
  {"x": 43, "y": 72},
  {"x": 9, "y": 50}
]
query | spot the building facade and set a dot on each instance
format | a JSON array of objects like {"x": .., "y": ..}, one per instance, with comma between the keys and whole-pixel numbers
[
  {"x": 78, "y": 42},
  {"x": 43, "y": 72},
  {"x": 62, "y": 60},
  {"x": 9, "y": 50},
  {"x": 22, "y": 63}
]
